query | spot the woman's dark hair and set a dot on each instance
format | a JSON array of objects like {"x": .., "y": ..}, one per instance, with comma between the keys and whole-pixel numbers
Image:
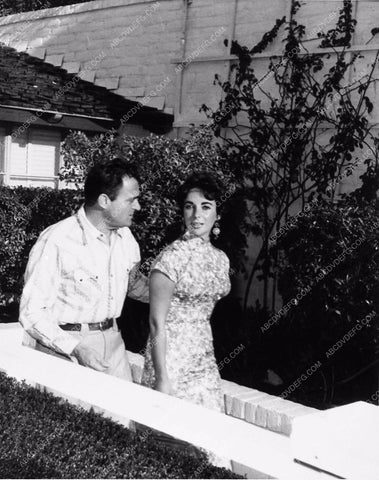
[
  {"x": 106, "y": 177},
  {"x": 207, "y": 182}
]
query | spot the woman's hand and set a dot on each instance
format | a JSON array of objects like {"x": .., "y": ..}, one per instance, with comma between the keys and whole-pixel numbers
[{"x": 163, "y": 386}]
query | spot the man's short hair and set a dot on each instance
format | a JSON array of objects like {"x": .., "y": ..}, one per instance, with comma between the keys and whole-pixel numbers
[{"x": 107, "y": 177}]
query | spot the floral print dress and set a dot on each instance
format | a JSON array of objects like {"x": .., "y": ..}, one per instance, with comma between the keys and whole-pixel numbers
[{"x": 201, "y": 275}]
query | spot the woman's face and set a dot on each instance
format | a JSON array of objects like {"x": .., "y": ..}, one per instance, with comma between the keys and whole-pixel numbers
[{"x": 199, "y": 214}]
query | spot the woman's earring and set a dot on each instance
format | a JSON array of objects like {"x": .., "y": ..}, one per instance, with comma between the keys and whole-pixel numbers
[{"x": 216, "y": 230}]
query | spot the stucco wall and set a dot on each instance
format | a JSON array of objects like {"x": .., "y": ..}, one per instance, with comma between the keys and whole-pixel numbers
[{"x": 139, "y": 41}]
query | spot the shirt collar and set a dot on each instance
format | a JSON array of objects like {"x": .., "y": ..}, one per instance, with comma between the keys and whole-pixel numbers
[{"x": 89, "y": 231}]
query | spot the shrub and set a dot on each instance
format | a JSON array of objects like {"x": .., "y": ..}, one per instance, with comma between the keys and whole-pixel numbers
[
  {"x": 25, "y": 213},
  {"x": 45, "y": 437},
  {"x": 331, "y": 255},
  {"x": 46, "y": 207},
  {"x": 335, "y": 323},
  {"x": 14, "y": 218},
  {"x": 164, "y": 164}
]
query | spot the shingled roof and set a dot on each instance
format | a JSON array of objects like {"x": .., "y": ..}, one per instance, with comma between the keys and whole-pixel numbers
[{"x": 29, "y": 82}]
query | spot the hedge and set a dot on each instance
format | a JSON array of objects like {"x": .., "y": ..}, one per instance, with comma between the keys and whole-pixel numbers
[
  {"x": 24, "y": 213},
  {"x": 42, "y": 436},
  {"x": 164, "y": 163}
]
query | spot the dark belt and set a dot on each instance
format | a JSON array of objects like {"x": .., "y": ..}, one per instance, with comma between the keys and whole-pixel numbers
[{"x": 108, "y": 323}]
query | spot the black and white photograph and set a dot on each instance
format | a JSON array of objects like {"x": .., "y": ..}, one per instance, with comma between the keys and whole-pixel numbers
[{"x": 189, "y": 239}]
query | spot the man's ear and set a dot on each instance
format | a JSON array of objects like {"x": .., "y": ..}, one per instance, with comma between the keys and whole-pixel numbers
[{"x": 103, "y": 200}]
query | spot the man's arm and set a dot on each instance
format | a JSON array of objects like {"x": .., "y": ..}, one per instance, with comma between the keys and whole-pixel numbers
[
  {"x": 138, "y": 287},
  {"x": 42, "y": 278}
]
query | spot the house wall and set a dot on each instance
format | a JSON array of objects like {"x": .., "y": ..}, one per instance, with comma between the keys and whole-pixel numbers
[{"x": 134, "y": 47}]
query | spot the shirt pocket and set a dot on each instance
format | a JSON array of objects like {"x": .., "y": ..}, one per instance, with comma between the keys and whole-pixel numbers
[
  {"x": 87, "y": 286},
  {"x": 121, "y": 270}
]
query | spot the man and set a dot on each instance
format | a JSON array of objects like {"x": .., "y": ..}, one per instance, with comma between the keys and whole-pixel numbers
[{"x": 80, "y": 270}]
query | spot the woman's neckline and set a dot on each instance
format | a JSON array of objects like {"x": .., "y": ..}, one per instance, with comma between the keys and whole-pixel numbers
[{"x": 190, "y": 236}]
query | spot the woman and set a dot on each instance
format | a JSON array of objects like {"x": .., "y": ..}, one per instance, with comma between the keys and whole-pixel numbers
[{"x": 187, "y": 279}]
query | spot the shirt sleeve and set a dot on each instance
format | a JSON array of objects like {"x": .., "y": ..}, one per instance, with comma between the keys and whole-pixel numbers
[{"x": 42, "y": 278}]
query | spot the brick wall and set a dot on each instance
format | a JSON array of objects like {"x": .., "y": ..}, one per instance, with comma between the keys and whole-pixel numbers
[
  {"x": 267, "y": 411},
  {"x": 258, "y": 408}
]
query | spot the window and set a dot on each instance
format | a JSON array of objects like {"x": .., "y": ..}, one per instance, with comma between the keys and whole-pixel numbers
[
  {"x": 2, "y": 156},
  {"x": 34, "y": 158}
]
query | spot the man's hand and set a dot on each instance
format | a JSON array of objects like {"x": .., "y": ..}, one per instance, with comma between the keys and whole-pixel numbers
[
  {"x": 89, "y": 357},
  {"x": 138, "y": 287}
]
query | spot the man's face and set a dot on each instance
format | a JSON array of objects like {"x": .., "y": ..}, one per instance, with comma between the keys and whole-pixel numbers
[{"x": 119, "y": 212}]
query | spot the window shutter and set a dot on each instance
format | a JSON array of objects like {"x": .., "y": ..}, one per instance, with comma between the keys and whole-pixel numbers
[
  {"x": 2, "y": 155},
  {"x": 34, "y": 158},
  {"x": 43, "y": 153},
  {"x": 18, "y": 156}
]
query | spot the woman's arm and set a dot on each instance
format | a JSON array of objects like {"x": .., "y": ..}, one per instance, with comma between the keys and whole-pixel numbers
[{"x": 161, "y": 290}]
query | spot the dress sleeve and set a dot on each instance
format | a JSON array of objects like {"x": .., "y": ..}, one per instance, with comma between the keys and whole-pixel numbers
[
  {"x": 226, "y": 263},
  {"x": 171, "y": 261},
  {"x": 225, "y": 273}
]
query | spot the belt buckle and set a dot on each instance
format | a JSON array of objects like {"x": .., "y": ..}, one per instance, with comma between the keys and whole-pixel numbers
[{"x": 104, "y": 325}]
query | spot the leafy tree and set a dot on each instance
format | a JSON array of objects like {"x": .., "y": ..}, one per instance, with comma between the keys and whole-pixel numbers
[{"x": 289, "y": 143}]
